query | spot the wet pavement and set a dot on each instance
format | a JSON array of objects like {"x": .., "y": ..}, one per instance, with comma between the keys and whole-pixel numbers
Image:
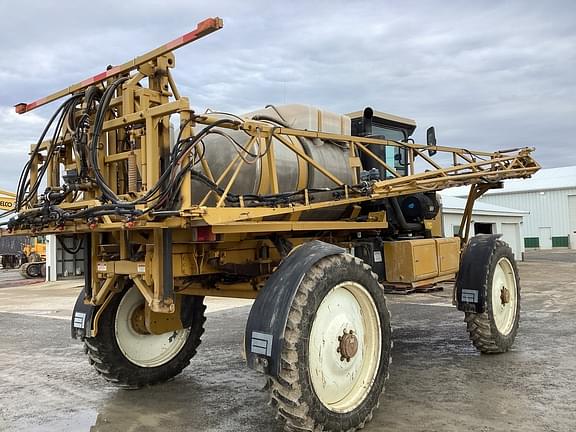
[
  {"x": 13, "y": 278},
  {"x": 438, "y": 381}
]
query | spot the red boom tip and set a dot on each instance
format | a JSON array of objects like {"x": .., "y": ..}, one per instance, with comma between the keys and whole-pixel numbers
[{"x": 20, "y": 108}]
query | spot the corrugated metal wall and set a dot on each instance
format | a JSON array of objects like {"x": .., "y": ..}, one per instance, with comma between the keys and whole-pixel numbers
[{"x": 547, "y": 209}]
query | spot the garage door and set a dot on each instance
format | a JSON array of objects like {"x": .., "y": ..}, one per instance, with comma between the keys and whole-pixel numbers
[{"x": 510, "y": 234}]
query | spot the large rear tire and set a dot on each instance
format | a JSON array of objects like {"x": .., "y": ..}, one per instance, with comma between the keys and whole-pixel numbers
[
  {"x": 336, "y": 350},
  {"x": 125, "y": 356},
  {"x": 494, "y": 330}
]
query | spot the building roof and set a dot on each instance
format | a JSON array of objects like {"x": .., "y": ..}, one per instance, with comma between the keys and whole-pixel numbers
[
  {"x": 545, "y": 179},
  {"x": 452, "y": 204}
]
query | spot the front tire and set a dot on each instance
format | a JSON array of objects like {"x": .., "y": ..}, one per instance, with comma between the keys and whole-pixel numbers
[
  {"x": 336, "y": 351},
  {"x": 494, "y": 330},
  {"x": 125, "y": 356}
]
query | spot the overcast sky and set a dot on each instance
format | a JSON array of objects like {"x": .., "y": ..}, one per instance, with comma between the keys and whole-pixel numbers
[{"x": 487, "y": 74}]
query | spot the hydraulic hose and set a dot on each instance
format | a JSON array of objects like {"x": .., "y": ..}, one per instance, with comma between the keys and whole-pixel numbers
[
  {"x": 406, "y": 226},
  {"x": 166, "y": 179},
  {"x": 22, "y": 197},
  {"x": 75, "y": 249}
]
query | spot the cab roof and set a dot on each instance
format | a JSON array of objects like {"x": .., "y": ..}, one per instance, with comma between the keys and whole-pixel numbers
[{"x": 385, "y": 116}]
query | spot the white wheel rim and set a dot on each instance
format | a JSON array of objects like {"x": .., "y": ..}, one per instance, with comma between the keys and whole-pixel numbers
[
  {"x": 504, "y": 296},
  {"x": 342, "y": 385},
  {"x": 144, "y": 350}
]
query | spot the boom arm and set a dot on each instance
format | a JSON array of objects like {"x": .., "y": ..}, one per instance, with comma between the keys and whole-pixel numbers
[{"x": 240, "y": 213}]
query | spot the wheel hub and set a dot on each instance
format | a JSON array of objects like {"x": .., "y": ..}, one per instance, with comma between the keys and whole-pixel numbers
[
  {"x": 348, "y": 345},
  {"x": 138, "y": 321},
  {"x": 504, "y": 295}
]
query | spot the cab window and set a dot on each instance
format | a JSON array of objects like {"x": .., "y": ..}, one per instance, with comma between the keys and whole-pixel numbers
[{"x": 395, "y": 156}]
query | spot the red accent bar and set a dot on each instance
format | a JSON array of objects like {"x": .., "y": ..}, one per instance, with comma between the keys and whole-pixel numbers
[
  {"x": 20, "y": 108},
  {"x": 203, "y": 28}
]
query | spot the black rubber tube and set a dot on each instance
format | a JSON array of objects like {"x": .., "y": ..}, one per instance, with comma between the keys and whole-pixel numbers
[{"x": 406, "y": 226}]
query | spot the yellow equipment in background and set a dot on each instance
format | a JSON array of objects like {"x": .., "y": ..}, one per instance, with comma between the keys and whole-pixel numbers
[
  {"x": 7, "y": 200},
  {"x": 32, "y": 251}
]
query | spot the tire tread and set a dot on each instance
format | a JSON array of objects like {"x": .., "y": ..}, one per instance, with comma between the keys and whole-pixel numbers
[
  {"x": 103, "y": 354},
  {"x": 481, "y": 331}
]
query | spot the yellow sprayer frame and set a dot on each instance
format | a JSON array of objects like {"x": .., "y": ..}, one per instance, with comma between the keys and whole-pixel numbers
[{"x": 170, "y": 253}]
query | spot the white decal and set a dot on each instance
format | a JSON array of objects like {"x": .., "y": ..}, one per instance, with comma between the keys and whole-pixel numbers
[
  {"x": 261, "y": 343},
  {"x": 79, "y": 320}
]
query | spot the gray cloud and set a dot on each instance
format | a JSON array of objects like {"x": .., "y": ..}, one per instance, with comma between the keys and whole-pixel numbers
[{"x": 487, "y": 74}]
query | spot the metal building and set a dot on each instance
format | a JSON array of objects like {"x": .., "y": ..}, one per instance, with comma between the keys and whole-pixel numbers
[
  {"x": 486, "y": 219},
  {"x": 549, "y": 197}
]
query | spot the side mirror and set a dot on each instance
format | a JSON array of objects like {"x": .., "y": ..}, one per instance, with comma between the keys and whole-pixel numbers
[{"x": 431, "y": 140}]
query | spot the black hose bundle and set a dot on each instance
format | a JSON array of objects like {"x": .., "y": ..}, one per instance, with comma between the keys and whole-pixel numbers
[
  {"x": 170, "y": 179},
  {"x": 25, "y": 191}
]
